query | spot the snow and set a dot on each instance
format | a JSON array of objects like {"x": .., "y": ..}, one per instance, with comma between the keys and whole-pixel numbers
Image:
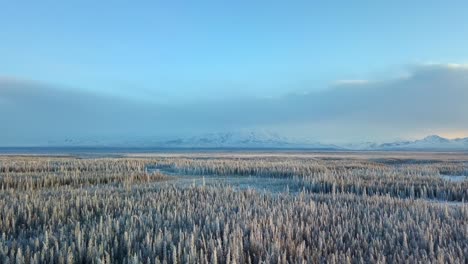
[
  {"x": 246, "y": 139},
  {"x": 261, "y": 184},
  {"x": 428, "y": 143},
  {"x": 454, "y": 178},
  {"x": 267, "y": 139}
]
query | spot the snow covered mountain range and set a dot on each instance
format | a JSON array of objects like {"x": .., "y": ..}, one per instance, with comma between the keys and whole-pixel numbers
[
  {"x": 246, "y": 139},
  {"x": 271, "y": 140},
  {"x": 433, "y": 142},
  {"x": 238, "y": 139},
  {"x": 258, "y": 140}
]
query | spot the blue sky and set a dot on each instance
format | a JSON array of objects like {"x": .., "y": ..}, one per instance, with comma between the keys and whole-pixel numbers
[
  {"x": 180, "y": 52},
  {"x": 197, "y": 48}
]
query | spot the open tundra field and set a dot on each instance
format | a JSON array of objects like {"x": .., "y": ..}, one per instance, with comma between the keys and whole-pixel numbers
[{"x": 238, "y": 207}]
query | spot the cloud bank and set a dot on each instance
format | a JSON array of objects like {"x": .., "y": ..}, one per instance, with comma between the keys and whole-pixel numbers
[{"x": 430, "y": 98}]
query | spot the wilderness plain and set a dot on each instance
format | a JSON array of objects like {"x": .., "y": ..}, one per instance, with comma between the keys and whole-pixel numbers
[
  {"x": 233, "y": 132},
  {"x": 235, "y": 207}
]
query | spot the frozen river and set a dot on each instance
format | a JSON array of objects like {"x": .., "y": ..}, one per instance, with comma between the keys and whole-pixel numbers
[
  {"x": 262, "y": 184},
  {"x": 454, "y": 178},
  {"x": 265, "y": 184}
]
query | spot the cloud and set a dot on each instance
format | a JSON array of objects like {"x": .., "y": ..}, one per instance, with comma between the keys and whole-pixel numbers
[
  {"x": 431, "y": 96},
  {"x": 460, "y": 66},
  {"x": 350, "y": 82}
]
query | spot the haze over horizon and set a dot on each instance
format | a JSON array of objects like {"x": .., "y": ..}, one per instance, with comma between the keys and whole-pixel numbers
[{"x": 332, "y": 72}]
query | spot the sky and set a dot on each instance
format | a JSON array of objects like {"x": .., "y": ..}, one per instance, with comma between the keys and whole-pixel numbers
[{"x": 332, "y": 71}]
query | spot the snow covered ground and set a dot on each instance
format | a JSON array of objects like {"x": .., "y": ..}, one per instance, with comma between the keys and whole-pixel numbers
[
  {"x": 266, "y": 184},
  {"x": 454, "y": 178},
  {"x": 261, "y": 184}
]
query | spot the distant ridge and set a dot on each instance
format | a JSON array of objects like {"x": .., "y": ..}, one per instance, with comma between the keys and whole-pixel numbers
[
  {"x": 245, "y": 139},
  {"x": 432, "y": 142},
  {"x": 263, "y": 139}
]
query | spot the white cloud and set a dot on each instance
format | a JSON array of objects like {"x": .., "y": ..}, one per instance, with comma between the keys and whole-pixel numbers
[
  {"x": 351, "y": 82},
  {"x": 461, "y": 66}
]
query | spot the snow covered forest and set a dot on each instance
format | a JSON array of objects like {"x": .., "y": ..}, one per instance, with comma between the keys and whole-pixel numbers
[{"x": 222, "y": 208}]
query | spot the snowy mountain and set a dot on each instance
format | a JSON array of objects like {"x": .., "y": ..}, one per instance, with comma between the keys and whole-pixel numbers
[
  {"x": 360, "y": 146},
  {"x": 433, "y": 142},
  {"x": 245, "y": 139},
  {"x": 237, "y": 139},
  {"x": 263, "y": 139}
]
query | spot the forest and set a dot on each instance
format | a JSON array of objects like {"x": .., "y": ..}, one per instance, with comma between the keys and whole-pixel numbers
[{"x": 235, "y": 208}]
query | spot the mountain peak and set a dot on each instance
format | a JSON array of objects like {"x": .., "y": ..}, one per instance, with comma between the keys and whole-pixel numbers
[
  {"x": 245, "y": 139},
  {"x": 267, "y": 139},
  {"x": 435, "y": 138},
  {"x": 432, "y": 142}
]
